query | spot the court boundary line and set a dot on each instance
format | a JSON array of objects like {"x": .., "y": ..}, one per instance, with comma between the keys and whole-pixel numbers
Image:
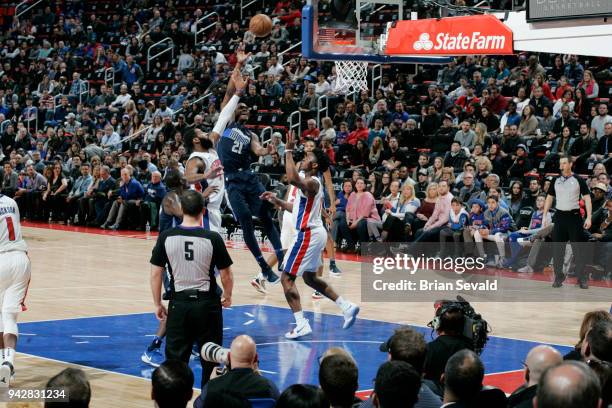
[
  {"x": 142, "y": 236},
  {"x": 282, "y": 308}
]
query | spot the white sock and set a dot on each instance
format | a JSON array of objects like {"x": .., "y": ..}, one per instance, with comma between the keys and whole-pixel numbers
[
  {"x": 342, "y": 304},
  {"x": 9, "y": 355},
  {"x": 2, "y": 353},
  {"x": 299, "y": 318}
]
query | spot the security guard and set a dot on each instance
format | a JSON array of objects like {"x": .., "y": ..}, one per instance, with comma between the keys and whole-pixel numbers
[{"x": 191, "y": 254}]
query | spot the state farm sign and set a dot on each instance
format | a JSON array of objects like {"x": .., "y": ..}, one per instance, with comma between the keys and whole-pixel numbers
[{"x": 466, "y": 35}]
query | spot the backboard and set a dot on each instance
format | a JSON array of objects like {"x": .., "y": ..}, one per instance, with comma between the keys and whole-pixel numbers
[{"x": 335, "y": 30}]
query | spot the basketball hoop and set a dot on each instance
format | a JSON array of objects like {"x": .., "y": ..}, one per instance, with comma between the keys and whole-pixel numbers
[{"x": 351, "y": 76}]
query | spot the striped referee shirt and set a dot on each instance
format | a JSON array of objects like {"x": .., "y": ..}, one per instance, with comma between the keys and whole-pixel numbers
[
  {"x": 568, "y": 191},
  {"x": 191, "y": 255}
]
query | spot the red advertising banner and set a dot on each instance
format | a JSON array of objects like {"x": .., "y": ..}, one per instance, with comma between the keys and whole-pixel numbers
[{"x": 465, "y": 35}]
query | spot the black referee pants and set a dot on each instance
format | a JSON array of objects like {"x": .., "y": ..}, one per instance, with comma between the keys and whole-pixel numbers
[
  {"x": 568, "y": 226},
  {"x": 195, "y": 318}
]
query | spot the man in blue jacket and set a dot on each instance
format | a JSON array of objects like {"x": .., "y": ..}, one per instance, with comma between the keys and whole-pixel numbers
[
  {"x": 149, "y": 209},
  {"x": 130, "y": 192}
]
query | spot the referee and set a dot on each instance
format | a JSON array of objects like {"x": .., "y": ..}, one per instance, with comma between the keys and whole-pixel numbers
[
  {"x": 567, "y": 189},
  {"x": 191, "y": 254}
]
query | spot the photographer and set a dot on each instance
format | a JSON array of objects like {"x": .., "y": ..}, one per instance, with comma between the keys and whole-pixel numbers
[
  {"x": 242, "y": 376},
  {"x": 449, "y": 327}
]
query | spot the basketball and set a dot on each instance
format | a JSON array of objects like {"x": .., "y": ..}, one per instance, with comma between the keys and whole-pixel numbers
[{"x": 260, "y": 25}]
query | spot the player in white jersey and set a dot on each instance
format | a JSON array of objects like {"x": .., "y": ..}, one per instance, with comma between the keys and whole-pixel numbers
[
  {"x": 14, "y": 281},
  {"x": 304, "y": 255},
  {"x": 204, "y": 167}
]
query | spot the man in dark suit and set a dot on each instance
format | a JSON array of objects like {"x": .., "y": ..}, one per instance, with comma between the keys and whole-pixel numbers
[
  {"x": 102, "y": 196},
  {"x": 462, "y": 379},
  {"x": 539, "y": 359},
  {"x": 242, "y": 377}
]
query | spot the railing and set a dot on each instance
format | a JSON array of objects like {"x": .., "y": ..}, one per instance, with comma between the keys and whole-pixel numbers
[
  {"x": 109, "y": 76},
  {"x": 376, "y": 78},
  {"x": 244, "y": 6},
  {"x": 55, "y": 99},
  {"x": 4, "y": 124},
  {"x": 321, "y": 108},
  {"x": 263, "y": 140},
  {"x": 144, "y": 130},
  {"x": 198, "y": 31},
  {"x": 32, "y": 119},
  {"x": 296, "y": 125},
  {"x": 280, "y": 54},
  {"x": 84, "y": 90},
  {"x": 170, "y": 49},
  {"x": 27, "y": 8}
]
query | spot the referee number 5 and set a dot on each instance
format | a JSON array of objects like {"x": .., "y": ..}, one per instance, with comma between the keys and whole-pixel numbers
[{"x": 188, "y": 251}]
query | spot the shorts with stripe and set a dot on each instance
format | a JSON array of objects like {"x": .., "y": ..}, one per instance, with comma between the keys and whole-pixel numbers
[
  {"x": 211, "y": 220},
  {"x": 288, "y": 231},
  {"x": 14, "y": 281},
  {"x": 304, "y": 254}
]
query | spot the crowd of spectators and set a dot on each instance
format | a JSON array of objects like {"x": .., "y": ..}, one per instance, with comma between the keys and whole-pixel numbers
[
  {"x": 442, "y": 373},
  {"x": 459, "y": 152}
]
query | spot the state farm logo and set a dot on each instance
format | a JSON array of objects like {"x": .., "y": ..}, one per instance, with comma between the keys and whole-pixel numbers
[
  {"x": 460, "y": 42},
  {"x": 423, "y": 43}
]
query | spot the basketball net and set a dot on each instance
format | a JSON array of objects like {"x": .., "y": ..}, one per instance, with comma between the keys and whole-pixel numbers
[{"x": 351, "y": 76}]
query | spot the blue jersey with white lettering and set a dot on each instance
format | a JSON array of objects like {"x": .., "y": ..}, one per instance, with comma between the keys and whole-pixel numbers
[{"x": 234, "y": 149}]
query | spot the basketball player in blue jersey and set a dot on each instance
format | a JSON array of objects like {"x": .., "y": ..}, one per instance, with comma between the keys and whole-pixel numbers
[
  {"x": 170, "y": 215},
  {"x": 235, "y": 146},
  {"x": 304, "y": 256}
]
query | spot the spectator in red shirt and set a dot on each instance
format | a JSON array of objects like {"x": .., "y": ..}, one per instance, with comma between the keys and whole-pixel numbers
[
  {"x": 562, "y": 86},
  {"x": 467, "y": 101},
  {"x": 289, "y": 17},
  {"x": 311, "y": 132},
  {"x": 495, "y": 102},
  {"x": 326, "y": 146},
  {"x": 360, "y": 133}
]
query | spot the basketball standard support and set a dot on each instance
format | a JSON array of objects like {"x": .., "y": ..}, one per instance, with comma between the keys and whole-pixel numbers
[
  {"x": 501, "y": 33},
  {"x": 311, "y": 48},
  {"x": 586, "y": 36}
]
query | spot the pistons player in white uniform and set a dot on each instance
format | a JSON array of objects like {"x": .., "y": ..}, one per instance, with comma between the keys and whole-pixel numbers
[
  {"x": 204, "y": 165},
  {"x": 303, "y": 256},
  {"x": 14, "y": 281}
]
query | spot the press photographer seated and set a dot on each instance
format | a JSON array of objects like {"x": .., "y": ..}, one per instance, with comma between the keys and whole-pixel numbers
[
  {"x": 449, "y": 327},
  {"x": 242, "y": 376}
]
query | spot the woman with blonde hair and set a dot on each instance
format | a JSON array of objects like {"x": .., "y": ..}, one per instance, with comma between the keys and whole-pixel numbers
[
  {"x": 483, "y": 168},
  {"x": 482, "y": 136},
  {"x": 425, "y": 209},
  {"x": 328, "y": 132},
  {"x": 588, "y": 84},
  {"x": 396, "y": 218},
  {"x": 448, "y": 175},
  {"x": 360, "y": 210},
  {"x": 376, "y": 150}
]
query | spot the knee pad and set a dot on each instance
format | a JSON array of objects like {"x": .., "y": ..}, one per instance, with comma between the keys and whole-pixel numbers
[{"x": 9, "y": 321}]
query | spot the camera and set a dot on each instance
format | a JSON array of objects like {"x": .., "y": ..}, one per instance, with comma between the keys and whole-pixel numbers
[
  {"x": 214, "y": 353},
  {"x": 475, "y": 328}
]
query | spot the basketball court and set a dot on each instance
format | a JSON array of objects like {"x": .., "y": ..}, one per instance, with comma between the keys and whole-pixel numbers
[
  {"x": 89, "y": 305},
  {"x": 89, "y": 301}
]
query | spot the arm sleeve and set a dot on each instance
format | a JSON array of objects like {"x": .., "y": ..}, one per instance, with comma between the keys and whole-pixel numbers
[
  {"x": 159, "y": 256},
  {"x": 226, "y": 114},
  {"x": 551, "y": 190},
  {"x": 222, "y": 257},
  {"x": 584, "y": 189}
]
